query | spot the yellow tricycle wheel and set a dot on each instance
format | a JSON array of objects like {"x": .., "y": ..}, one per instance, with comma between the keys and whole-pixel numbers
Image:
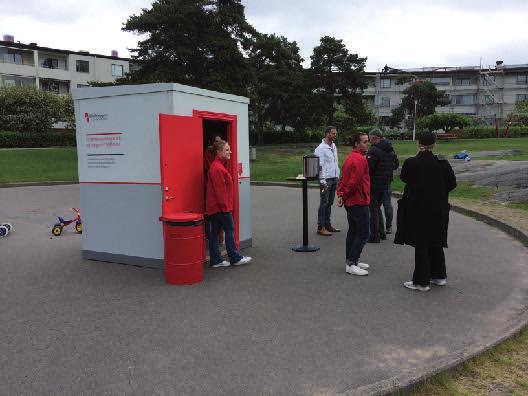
[
  {"x": 78, "y": 228},
  {"x": 56, "y": 230}
]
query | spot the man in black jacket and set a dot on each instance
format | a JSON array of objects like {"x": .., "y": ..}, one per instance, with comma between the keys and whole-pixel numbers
[
  {"x": 423, "y": 213},
  {"x": 381, "y": 160}
]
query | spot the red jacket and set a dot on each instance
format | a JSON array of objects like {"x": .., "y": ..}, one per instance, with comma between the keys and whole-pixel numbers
[
  {"x": 354, "y": 186},
  {"x": 219, "y": 196}
]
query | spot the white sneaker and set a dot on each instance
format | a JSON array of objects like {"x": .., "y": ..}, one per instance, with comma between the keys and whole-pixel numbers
[
  {"x": 439, "y": 282},
  {"x": 243, "y": 260},
  {"x": 412, "y": 286},
  {"x": 364, "y": 266},
  {"x": 355, "y": 270},
  {"x": 224, "y": 263}
]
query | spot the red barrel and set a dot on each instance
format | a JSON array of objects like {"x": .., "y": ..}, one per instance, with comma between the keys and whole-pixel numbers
[{"x": 184, "y": 248}]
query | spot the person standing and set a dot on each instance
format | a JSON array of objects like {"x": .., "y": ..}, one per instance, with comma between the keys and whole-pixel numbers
[
  {"x": 328, "y": 177},
  {"x": 423, "y": 213},
  {"x": 381, "y": 160},
  {"x": 353, "y": 192},
  {"x": 219, "y": 208}
]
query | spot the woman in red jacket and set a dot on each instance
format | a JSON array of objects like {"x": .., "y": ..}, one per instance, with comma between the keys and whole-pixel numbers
[
  {"x": 219, "y": 208},
  {"x": 353, "y": 191}
]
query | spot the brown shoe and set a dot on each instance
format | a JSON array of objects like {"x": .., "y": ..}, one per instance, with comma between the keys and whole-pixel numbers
[
  {"x": 323, "y": 231},
  {"x": 332, "y": 229}
]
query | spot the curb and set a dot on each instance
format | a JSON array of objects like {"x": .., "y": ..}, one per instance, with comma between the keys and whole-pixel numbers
[
  {"x": 404, "y": 384},
  {"x": 37, "y": 184}
]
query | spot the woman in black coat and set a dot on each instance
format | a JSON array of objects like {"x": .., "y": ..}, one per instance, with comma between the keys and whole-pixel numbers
[{"x": 423, "y": 213}]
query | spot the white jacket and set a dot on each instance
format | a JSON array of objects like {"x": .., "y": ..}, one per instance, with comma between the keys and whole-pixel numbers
[{"x": 328, "y": 161}]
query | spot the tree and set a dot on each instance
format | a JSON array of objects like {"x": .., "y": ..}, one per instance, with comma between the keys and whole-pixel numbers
[
  {"x": 194, "y": 42},
  {"x": 338, "y": 78},
  {"x": 278, "y": 90},
  {"x": 424, "y": 95},
  {"x": 445, "y": 121},
  {"x": 520, "y": 113}
]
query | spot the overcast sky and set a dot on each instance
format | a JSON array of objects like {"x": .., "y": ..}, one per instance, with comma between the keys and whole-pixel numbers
[{"x": 400, "y": 33}]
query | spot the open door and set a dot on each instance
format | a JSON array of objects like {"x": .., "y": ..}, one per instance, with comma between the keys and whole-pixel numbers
[{"x": 181, "y": 161}]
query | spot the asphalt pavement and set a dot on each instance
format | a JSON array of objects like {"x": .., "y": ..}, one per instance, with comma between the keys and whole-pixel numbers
[{"x": 288, "y": 323}]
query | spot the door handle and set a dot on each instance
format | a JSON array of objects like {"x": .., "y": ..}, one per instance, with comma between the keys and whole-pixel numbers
[{"x": 167, "y": 198}]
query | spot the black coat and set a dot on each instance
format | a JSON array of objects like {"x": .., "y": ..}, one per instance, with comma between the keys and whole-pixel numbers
[
  {"x": 423, "y": 211},
  {"x": 382, "y": 161}
]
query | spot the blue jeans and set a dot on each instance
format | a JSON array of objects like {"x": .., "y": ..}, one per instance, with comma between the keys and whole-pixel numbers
[
  {"x": 327, "y": 200},
  {"x": 387, "y": 207},
  {"x": 358, "y": 217},
  {"x": 222, "y": 221}
]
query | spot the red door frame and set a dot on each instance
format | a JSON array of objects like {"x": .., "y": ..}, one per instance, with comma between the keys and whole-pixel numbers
[{"x": 232, "y": 137}]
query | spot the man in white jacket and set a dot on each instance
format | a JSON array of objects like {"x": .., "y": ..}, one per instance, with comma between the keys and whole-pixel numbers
[{"x": 328, "y": 179}]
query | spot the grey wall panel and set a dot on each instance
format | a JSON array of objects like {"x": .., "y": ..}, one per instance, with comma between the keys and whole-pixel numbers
[
  {"x": 244, "y": 192},
  {"x": 122, "y": 219}
]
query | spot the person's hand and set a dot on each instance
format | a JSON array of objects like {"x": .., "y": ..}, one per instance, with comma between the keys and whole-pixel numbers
[
  {"x": 340, "y": 201},
  {"x": 324, "y": 187}
]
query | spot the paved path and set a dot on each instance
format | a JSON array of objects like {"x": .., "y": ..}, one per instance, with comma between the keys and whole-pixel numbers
[{"x": 289, "y": 323}]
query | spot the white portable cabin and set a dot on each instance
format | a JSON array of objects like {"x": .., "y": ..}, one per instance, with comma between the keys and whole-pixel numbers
[{"x": 128, "y": 179}]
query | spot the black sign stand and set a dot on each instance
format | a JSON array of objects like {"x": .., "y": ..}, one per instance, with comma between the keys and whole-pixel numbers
[{"x": 305, "y": 247}]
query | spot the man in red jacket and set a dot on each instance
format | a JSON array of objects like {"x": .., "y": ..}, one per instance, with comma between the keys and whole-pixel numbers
[{"x": 353, "y": 191}]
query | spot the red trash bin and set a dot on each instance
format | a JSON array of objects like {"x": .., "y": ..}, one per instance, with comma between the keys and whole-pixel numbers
[{"x": 184, "y": 240}]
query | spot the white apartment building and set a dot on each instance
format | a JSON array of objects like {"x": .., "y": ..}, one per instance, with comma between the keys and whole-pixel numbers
[
  {"x": 486, "y": 92},
  {"x": 54, "y": 69}
]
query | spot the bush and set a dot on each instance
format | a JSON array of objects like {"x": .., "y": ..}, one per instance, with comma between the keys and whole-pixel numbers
[
  {"x": 445, "y": 121},
  {"x": 29, "y": 110},
  {"x": 280, "y": 137},
  {"x": 490, "y": 132},
  {"x": 36, "y": 139}
]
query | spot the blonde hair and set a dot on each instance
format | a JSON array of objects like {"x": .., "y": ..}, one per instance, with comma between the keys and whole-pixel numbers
[{"x": 219, "y": 145}]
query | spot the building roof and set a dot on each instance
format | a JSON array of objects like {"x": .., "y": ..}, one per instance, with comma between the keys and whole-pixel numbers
[
  {"x": 453, "y": 69},
  {"x": 34, "y": 46}
]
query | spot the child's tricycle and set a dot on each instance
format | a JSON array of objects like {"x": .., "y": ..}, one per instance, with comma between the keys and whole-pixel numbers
[
  {"x": 5, "y": 228},
  {"x": 57, "y": 228}
]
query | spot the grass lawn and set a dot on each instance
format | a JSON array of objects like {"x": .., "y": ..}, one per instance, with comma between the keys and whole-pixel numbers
[{"x": 37, "y": 165}]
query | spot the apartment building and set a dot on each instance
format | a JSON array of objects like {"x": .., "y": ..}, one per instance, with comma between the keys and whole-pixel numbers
[
  {"x": 54, "y": 69},
  {"x": 489, "y": 92}
]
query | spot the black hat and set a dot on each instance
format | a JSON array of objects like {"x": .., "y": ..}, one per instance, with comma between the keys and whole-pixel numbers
[
  {"x": 427, "y": 139},
  {"x": 376, "y": 132}
]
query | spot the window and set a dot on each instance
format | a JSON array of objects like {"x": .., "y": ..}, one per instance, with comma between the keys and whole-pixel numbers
[
  {"x": 522, "y": 78},
  {"x": 49, "y": 63},
  {"x": 385, "y": 83},
  {"x": 9, "y": 81},
  {"x": 82, "y": 66},
  {"x": 521, "y": 98},
  {"x": 117, "y": 70},
  {"x": 463, "y": 99},
  {"x": 489, "y": 99},
  {"x": 488, "y": 81},
  {"x": 57, "y": 86},
  {"x": 441, "y": 80},
  {"x": 83, "y": 85},
  {"x": 371, "y": 83},
  {"x": 462, "y": 81},
  {"x": 18, "y": 57},
  {"x": 385, "y": 101}
]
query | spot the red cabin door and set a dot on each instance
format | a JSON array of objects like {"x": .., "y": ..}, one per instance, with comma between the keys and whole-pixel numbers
[{"x": 181, "y": 161}]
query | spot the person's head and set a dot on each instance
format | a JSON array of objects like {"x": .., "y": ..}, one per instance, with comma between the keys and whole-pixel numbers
[
  {"x": 375, "y": 136},
  {"x": 222, "y": 149},
  {"x": 426, "y": 141},
  {"x": 213, "y": 139},
  {"x": 331, "y": 133},
  {"x": 360, "y": 142}
]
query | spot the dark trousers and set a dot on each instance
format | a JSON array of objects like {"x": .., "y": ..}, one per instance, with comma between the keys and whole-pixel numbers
[
  {"x": 223, "y": 221},
  {"x": 358, "y": 232},
  {"x": 327, "y": 200},
  {"x": 429, "y": 262},
  {"x": 377, "y": 228},
  {"x": 387, "y": 207}
]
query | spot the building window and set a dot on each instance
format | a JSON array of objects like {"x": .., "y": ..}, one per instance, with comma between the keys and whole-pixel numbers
[
  {"x": 441, "y": 80},
  {"x": 117, "y": 70},
  {"x": 371, "y": 83},
  {"x": 57, "y": 86},
  {"x": 489, "y": 99},
  {"x": 488, "y": 81},
  {"x": 385, "y": 101},
  {"x": 49, "y": 63},
  {"x": 385, "y": 83},
  {"x": 463, "y": 99},
  {"x": 521, "y": 98},
  {"x": 10, "y": 81},
  {"x": 462, "y": 81},
  {"x": 18, "y": 57},
  {"x": 522, "y": 78},
  {"x": 82, "y": 66},
  {"x": 83, "y": 85}
]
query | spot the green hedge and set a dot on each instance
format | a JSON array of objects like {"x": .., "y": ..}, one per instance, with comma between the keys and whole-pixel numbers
[
  {"x": 484, "y": 132},
  {"x": 39, "y": 139}
]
